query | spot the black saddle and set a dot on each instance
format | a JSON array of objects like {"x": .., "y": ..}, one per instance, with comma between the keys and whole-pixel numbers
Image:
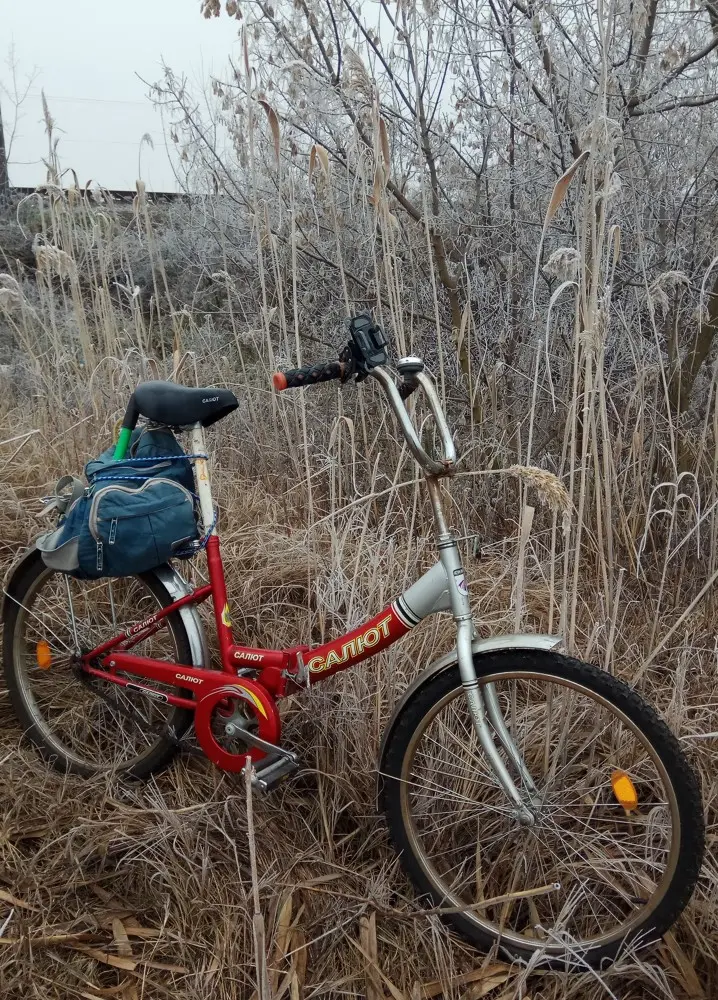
[{"x": 180, "y": 405}]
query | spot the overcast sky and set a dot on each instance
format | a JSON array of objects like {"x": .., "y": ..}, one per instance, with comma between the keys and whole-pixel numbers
[{"x": 87, "y": 55}]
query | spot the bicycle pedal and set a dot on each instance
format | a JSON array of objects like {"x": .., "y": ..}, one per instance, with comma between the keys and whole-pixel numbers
[{"x": 270, "y": 771}]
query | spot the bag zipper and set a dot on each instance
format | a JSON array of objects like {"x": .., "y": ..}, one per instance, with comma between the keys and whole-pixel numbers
[{"x": 93, "y": 518}]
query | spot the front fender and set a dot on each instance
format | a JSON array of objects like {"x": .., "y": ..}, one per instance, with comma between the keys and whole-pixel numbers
[{"x": 446, "y": 662}]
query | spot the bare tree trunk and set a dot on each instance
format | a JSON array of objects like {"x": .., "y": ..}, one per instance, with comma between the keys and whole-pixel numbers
[
  {"x": 4, "y": 178},
  {"x": 685, "y": 371}
]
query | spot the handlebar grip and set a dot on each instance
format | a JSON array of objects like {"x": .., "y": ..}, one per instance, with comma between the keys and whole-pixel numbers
[{"x": 297, "y": 378}]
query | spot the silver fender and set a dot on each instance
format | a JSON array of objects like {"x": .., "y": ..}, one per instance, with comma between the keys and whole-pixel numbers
[
  {"x": 446, "y": 662},
  {"x": 178, "y": 587},
  {"x": 175, "y": 585}
]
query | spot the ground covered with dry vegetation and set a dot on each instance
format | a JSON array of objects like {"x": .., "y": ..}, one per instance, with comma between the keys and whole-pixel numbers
[
  {"x": 146, "y": 890},
  {"x": 568, "y": 314}
]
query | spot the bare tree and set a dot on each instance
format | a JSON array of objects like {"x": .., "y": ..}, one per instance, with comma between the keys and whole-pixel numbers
[
  {"x": 4, "y": 177},
  {"x": 16, "y": 92}
]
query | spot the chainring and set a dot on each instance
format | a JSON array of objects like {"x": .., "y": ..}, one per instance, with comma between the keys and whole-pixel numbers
[{"x": 256, "y": 704}]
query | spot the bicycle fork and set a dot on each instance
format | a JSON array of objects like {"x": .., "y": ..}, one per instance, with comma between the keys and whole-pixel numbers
[{"x": 483, "y": 701}]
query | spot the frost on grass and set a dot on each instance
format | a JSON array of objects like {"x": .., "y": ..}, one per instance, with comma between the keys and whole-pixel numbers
[{"x": 437, "y": 139}]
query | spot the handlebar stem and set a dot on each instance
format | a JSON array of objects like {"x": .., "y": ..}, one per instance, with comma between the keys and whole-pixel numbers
[{"x": 444, "y": 466}]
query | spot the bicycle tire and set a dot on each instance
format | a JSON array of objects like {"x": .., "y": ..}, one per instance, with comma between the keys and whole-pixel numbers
[
  {"x": 395, "y": 792},
  {"x": 38, "y": 730}
]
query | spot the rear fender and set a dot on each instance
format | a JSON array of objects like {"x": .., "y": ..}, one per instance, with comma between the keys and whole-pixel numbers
[
  {"x": 17, "y": 567},
  {"x": 178, "y": 587},
  {"x": 175, "y": 585}
]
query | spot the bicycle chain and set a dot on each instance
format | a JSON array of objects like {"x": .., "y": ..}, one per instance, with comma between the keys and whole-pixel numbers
[{"x": 162, "y": 730}]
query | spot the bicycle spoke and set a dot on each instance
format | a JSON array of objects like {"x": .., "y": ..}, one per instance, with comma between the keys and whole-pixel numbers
[
  {"x": 95, "y": 722},
  {"x": 604, "y": 859}
]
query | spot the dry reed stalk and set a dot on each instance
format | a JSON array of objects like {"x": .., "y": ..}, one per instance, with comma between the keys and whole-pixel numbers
[
  {"x": 615, "y": 605},
  {"x": 527, "y": 517},
  {"x": 264, "y": 989}
]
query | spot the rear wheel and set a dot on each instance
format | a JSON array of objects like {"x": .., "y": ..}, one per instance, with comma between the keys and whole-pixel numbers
[
  {"x": 595, "y": 870},
  {"x": 79, "y": 723}
]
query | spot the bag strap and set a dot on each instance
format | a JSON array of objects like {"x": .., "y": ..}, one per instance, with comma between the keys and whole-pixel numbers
[{"x": 68, "y": 489}]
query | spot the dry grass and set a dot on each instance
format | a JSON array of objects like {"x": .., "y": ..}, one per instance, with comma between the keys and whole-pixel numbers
[{"x": 147, "y": 891}]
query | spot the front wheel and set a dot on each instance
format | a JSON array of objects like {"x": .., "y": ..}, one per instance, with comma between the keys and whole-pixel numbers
[{"x": 595, "y": 871}]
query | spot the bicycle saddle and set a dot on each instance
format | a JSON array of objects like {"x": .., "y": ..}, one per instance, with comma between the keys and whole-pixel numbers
[{"x": 181, "y": 405}]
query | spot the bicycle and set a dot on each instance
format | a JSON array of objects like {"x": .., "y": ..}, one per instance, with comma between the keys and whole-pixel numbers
[{"x": 537, "y": 802}]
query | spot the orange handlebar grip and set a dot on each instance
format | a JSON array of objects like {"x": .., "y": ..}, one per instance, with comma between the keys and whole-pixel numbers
[{"x": 279, "y": 381}]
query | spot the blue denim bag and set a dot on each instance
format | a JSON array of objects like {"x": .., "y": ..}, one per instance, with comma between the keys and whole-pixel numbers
[{"x": 134, "y": 514}]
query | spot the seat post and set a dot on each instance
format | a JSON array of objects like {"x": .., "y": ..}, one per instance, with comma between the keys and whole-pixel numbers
[
  {"x": 202, "y": 478},
  {"x": 214, "y": 559}
]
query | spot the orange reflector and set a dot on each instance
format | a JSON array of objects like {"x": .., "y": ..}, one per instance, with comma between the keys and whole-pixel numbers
[
  {"x": 43, "y": 655},
  {"x": 624, "y": 790}
]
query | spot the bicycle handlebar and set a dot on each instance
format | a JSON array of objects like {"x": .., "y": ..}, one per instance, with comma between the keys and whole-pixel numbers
[
  {"x": 443, "y": 466},
  {"x": 295, "y": 378},
  {"x": 416, "y": 379}
]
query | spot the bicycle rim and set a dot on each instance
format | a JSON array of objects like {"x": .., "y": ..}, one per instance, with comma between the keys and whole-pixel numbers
[
  {"x": 93, "y": 723},
  {"x": 590, "y": 871}
]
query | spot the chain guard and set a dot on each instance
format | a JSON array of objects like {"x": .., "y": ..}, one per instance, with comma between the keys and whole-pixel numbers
[{"x": 260, "y": 704}]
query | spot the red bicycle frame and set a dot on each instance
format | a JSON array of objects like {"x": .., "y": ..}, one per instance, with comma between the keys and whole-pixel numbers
[
  {"x": 274, "y": 671},
  {"x": 275, "y": 668}
]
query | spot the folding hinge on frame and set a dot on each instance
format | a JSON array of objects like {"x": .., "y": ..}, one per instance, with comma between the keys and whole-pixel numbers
[
  {"x": 298, "y": 673},
  {"x": 300, "y": 676},
  {"x": 302, "y": 671}
]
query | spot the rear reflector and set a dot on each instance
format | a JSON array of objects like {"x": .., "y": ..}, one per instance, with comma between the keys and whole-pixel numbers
[{"x": 43, "y": 655}]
